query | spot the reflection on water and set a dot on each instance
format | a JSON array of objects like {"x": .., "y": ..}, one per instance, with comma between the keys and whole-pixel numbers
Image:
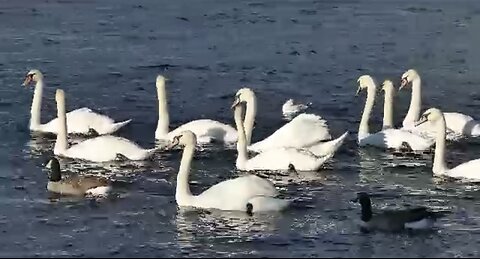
[{"x": 220, "y": 228}]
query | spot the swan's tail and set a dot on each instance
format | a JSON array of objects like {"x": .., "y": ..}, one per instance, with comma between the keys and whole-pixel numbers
[
  {"x": 118, "y": 125},
  {"x": 329, "y": 147}
]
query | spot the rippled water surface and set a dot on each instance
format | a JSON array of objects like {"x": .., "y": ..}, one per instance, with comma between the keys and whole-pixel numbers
[{"x": 106, "y": 54}]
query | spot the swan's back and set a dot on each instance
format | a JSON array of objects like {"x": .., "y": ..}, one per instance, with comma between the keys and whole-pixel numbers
[
  {"x": 106, "y": 148},
  {"x": 208, "y": 129},
  {"x": 427, "y": 130},
  {"x": 457, "y": 122},
  {"x": 234, "y": 194},
  {"x": 279, "y": 159},
  {"x": 303, "y": 130},
  {"x": 81, "y": 120},
  {"x": 457, "y": 126},
  {"x": 394, "y": 138},
  {"x": 469, "y": 170}
]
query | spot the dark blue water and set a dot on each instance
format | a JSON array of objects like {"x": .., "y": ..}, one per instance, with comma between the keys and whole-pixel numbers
[{"x": 106, "y": 55}]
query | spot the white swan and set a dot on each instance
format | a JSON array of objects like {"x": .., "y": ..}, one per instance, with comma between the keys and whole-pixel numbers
[
  {"x": 304, "y": 130},
  {"x": 458, "y": 124},
  {"x": 246, "y": 193},
  {"x": 80, "y": 121},
  {"x": 468, "y": 170},
  {"x": 290, "y": 109},
  {"x": 99, "y": 149},
  {"x": 206, "y": 130},
  {"x": 281, "y": 158},
  {"x": 387, "y": 138}
]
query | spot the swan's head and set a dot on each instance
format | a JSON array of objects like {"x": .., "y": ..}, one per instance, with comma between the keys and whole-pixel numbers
[
  {"x": 55, "y": 172},
  {"x": 160, "y": 82},
  {"x": 387, "y": 86},
  {"x": 33, "y": 75},
  {"x": 365, "y": 81},
  {"x": 408, "y": 77},
  {"x": 432, "y": 115},
  {"x": 243, "y": 95},
  {"x": 184, "y": 138},
  {"x": 59, "y": 96}
]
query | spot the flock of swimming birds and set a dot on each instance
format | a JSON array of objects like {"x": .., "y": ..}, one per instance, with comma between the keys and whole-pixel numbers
[{"x": 304, "y": 144}]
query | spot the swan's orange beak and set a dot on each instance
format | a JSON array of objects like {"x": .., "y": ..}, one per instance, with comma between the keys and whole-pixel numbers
[
  {"x": 28, "y": 80},
  {"x": 403, "y": 83}
]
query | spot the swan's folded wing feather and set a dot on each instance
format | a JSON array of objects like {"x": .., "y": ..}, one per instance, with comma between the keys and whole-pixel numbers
[
  {"x": 280, "y": 158},
  {"x": 456, "y": 124},
  {"x": 394, "y": 138},
  {"x": 328, "y": 147},
  {"x": 208, "y": 130},
  {"x": 81, "y": 120},
  {"x": 469, "y": 170},
  {"x": 82, "y": 110},
  {"x": 303, "y": 130},
  {"x": 106, "y": 148},
  {"x": 234, "y": 194}
]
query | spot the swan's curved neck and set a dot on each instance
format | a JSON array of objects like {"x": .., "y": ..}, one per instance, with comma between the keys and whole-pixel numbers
[
  {"x": 163, "y": 118},
  {"x": 36, "y": 108},
  {"x": 388, "y": 110},
  {"x": 61, "y": 143},
  {"x": 363, "y": 129},
  {"x": 242, "y": 155},
  {"x": 250, "y": 114},
  {"x": 439, "y": 165},
  {"x": 182, "y": 194},
  {"x": 415, "y": 103}
]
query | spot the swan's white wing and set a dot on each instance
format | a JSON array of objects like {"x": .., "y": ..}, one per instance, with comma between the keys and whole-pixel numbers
[
  {"x": 234, "y": 194},
  {"x": 456, "y": 121},
  {"x": 415, "y": 141},
  {"x": 281, "y": 158},
  {"x": 458, "y": 126},
  {"x": 303, "y": 130},
  {"x": 208, "y": 130},
  {"x": 80, "y": 121},
  {"x": 427, "y": 130},
  {"x": 82, "y": 110},
  {"x": 461, "y": 124},
  {"x": 329, "y": 147},
  {"x": 288, "y": 108},
  {"x": 394, "y": 138},
  {"x": 469, "y": 170},
  {"x": 377, "y": 140},
  {"x": 106, "y": 148}
]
